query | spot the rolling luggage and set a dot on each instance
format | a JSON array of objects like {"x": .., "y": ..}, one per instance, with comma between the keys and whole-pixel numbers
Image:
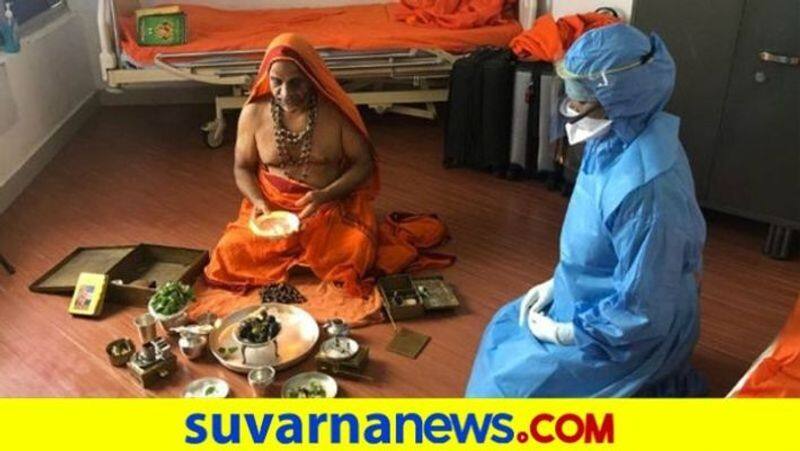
[{"x": 477, "y": 134}]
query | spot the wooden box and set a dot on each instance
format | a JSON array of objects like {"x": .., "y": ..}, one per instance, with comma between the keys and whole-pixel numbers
[
  {"x": 429, "y": 294},
  {"x": 123, "y": 265}
]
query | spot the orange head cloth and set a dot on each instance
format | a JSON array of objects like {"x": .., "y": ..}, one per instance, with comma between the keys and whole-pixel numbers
[{"x": 292, "y": 47}]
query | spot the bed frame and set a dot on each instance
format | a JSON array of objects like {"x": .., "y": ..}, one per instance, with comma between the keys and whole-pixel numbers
[{"x": 387, "y": 81}]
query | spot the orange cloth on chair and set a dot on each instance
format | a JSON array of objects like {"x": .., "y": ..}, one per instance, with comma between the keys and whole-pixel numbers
[
  {"x": 549, "y": 40},
  {"x": 455, "y": 14},
  {"x": 778, "y": 376},
  {"x": 341, "y": 243}
]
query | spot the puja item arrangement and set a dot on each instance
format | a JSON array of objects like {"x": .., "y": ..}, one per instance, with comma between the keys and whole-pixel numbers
[
  {"x": 257, "y": 340},
  {"x": 154, "y": 362},
  {"x": 341, "y": 355},
  {"x": 278, "y": 335},
  {"x": 275, "y": 225},
  {"x": 406, "y": 297}
]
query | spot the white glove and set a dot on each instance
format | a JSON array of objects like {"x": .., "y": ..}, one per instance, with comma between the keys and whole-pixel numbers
[
  {"x": 546, "y": 329},
  {"x": 535, "y": 300}
]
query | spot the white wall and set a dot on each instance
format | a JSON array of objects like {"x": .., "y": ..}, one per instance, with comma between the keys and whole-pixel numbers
[
  {"x": 41, "y": 88},
  {"x": 566, "y": 7},
  {"x": 86, "y": 11}
]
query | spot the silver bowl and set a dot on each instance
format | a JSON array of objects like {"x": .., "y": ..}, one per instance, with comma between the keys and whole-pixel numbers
[{"x": 192, "y": 346}]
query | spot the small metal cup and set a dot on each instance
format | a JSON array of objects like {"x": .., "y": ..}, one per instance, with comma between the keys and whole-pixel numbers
[
  {"x": 146, "y": 325},
  {"x": 192, "y": 346},
  {"x": 260, "y": 379}
]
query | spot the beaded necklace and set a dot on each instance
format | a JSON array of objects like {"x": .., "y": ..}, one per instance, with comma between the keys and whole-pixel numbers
[{"x": 286, "y": 139}]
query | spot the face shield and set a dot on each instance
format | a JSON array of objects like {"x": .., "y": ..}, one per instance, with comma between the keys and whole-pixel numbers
[
  {"x": 580, "y": 126},
  {"x": 579, "y": 86}
]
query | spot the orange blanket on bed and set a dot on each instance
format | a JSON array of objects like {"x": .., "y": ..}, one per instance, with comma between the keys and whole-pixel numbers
[
  {"x": 341, "y": 243},
  {"x": 778, "y": 376},
  {"x": 357, "y": 27},
  {"x": 549, "y": 40},
  {"x": 456, "y": 14}
]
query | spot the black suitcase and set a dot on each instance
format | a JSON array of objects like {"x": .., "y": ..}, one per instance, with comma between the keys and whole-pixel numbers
[{"x": 477, "y": 132}]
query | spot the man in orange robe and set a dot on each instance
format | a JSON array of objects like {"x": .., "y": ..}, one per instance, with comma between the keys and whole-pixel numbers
[{"x": 303, "y": 147}]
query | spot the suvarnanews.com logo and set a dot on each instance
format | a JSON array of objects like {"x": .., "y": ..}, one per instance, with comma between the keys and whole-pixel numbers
[{"x": 397, "y": 428}]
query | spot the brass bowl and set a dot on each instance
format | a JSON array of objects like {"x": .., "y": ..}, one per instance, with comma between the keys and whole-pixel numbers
[{"x": 122, "y": 358}]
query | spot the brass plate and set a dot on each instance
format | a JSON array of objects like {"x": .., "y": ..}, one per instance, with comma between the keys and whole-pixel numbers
[
  {"x": 408, "y": 343},
  {"x": 297, "y": 338}
]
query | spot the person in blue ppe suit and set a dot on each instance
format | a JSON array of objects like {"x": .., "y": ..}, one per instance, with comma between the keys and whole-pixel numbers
[{"x": 620, "y": 316}]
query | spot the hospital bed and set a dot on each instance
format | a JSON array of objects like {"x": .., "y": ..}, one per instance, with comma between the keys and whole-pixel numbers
[{"x": 384, "y": 64}]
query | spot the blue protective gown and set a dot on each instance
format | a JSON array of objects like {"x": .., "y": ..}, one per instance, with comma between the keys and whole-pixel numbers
[{"x": 630, "y": 251}]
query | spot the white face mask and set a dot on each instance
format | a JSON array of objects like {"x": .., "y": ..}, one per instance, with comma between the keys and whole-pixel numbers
[{"x": 585, "y": 128}]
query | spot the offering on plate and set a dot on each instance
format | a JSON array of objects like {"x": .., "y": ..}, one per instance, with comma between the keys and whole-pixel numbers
[
  {"x": 295, "y": 340},
  {"x": 258, "y": 329}
]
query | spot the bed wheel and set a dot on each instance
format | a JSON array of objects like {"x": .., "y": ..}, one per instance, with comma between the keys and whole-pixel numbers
[{"x": 214, "y": 133}]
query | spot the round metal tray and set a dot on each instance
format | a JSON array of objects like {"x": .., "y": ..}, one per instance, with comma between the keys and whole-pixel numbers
[{"x": 299, "y": 333}]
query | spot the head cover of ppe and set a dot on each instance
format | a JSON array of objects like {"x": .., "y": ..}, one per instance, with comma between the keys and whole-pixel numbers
[
  {"x": 610, "y": 63},
  {"x": 630, "y": 254}
]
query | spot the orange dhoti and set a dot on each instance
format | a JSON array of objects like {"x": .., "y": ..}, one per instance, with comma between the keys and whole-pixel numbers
[
  {"x": 342, "y": 245},
  {"x": 338, "y": 243}
]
